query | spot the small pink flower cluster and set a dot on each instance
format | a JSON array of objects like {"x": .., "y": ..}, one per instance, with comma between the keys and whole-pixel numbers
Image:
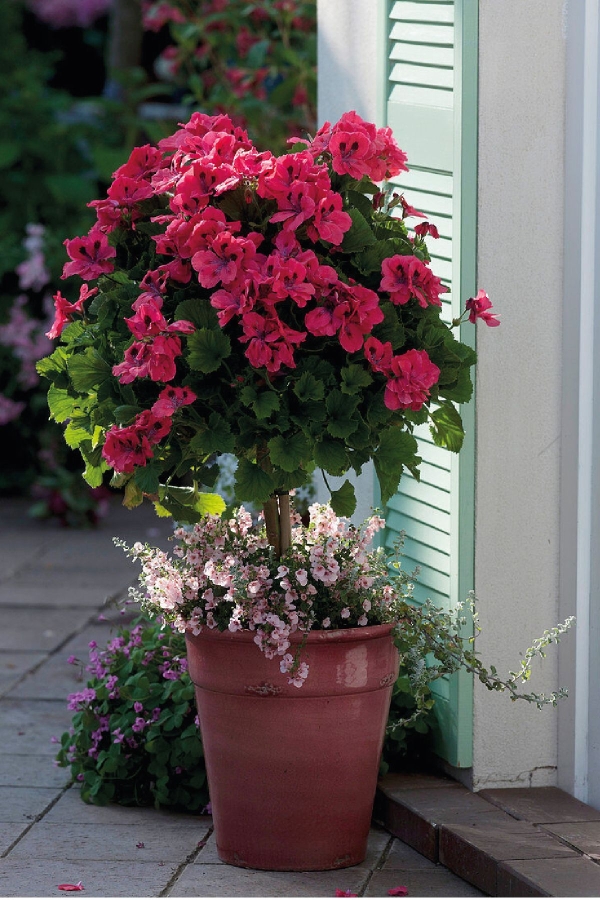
[{"x": 223, "y": 574}]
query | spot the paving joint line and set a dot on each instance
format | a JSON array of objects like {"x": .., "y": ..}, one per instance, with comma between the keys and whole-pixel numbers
[
  {"x": 36, "y": 819},
  {"x": 182, "y": 866}
]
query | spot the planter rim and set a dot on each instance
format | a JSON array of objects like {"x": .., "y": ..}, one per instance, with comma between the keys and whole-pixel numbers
[{"x": 336, "y": 636}]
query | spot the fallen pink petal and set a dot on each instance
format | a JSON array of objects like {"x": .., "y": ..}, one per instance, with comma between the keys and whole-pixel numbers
[
  {"x": 140, "y": 845},
  {"x": 71, "y": 887},
  {"x": 339, "y": 893},
  {"x": 398, "y": 892}
]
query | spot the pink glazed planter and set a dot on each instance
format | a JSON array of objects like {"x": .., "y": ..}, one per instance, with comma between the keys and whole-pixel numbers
[{"x": 292, "y": 771}]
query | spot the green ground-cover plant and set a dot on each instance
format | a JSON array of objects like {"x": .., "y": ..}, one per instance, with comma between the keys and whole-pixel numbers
[{"x": 134, "y": 737}]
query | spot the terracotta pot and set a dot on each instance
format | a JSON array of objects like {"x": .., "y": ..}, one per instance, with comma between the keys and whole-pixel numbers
[{"x": 292, "y": 771}]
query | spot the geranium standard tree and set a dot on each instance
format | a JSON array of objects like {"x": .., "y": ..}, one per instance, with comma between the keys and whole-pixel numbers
[{"x": 271, "y": 307}]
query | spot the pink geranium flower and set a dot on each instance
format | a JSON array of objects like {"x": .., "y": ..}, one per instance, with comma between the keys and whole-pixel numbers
[
  {"x": 64, "y": 309},
  {"x": 479, "y": 308},
  {"x": 413, "y": 375},
  {"x": 91, "y": 256},
  {"x": 171, "y": 399},
  {"x": 405, "y": 277},
  {"x": 126, "y": 448}
]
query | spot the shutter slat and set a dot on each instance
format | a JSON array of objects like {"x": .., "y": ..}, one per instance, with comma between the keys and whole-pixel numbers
[
  {"x": 406, "y": 73},
  {"x": 422, "y": 12},
  {"x": 422, "y": 532},
  {"x": 421, "y": 53},
  {"x": 421, "y": 33},
  {"x": 437, "y": 98},
  {"x": 413, "y": 509}
]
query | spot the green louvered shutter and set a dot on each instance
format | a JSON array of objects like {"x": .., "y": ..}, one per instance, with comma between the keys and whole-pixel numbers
[{"x": 431, "y": 108}]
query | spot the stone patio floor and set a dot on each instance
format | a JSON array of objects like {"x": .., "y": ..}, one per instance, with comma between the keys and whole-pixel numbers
[{"x": 430, "y": 834}]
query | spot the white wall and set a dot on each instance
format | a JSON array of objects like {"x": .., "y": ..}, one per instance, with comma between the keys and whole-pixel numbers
[
  {"x": 520, "y": 265},
  {"x": 352, "y": 59},
  {"x": 351, "y": 73}
]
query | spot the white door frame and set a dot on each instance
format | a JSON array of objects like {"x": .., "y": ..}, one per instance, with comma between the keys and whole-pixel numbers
[{"x": 579, "y": 718}]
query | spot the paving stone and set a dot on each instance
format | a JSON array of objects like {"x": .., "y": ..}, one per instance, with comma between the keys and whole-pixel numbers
[
  {"x": 13, "y": 665},
  {"x": 10, "y": 832},
  {"x": 29, "y": 725},
  {"x": 18, "y": 804},
  {"x": 434, "y": 882},
  {"x": 39, "y": 629},
  {"x": 35, "y": 770},
  {"x": 474, "y": 853},
  {"x": 541, "y": 805},
  {"x": 40, "y": 878},
  {"x": 112, "y": 842},
  {"x": 571, "y": 877},
  {"x": 71, "y": 809},
  {"x": 414, "y": 815},
  {"x": 60, "y": 593},
  {"x": 229, "y": 881},
  {"x": 401, "y": 856},
  {"x": 584, "y": 836}
]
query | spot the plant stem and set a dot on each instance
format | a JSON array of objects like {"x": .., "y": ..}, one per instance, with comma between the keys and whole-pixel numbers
[
  {"x": 285, "y": 522},
  {"x": 271, "y": 512}
]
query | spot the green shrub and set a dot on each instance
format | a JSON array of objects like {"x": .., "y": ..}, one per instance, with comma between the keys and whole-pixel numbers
[{"x": 134, "y": 738}]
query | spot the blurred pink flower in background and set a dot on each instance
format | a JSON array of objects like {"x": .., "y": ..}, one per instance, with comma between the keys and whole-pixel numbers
[{"x": 69, "y": 13}]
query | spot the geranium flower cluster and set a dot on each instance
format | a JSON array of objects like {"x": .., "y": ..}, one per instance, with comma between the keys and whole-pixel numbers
[
  {"x": 274, "y": 307},
  {"x": 223, "y": 574}
]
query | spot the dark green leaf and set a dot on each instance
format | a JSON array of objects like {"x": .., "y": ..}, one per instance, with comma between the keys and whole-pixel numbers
[
  {"x": 354, "y": 377},
  {"x": 359, "y": 235},
  {"x": 447, "y": 428},
  {"x": 331, "y": 456},
  {"x": 216, "y": 437},
  {"x": 266, "y": 403},
  {"x": 309, "y": 388},
  {"x": 88, "y": 370},
  {"x": 340, "y": 408},
  {"x": 199, "y": 312},
  {"x": 147, "y": 479},
  {"x": 397, "y": 449},
  {"x": 343, "y": 501},
  {"x": 252, "y": 482},
  {"x": 288, "y": 452},
  {"x": 207, "y": 349}
]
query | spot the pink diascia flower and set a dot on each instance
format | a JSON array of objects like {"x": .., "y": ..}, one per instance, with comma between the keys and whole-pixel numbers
[
  {"x": 413, "y": 375},
  {"x": 479, "y": 308},
  {"x": 69, "y": 13}
]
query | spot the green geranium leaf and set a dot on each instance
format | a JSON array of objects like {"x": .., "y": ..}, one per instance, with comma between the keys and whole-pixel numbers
[
  {"x": 94, "y": 475},
  {"x": 133, "y": 495},
  {"x": 216, "y": 437},
  {"x": 354, "y": 378},
  {"x": 397, "y": 450},
  {"x": 371, "y": 258},
  {"x": 88, "y": 370},
  {"x": 462, "y": 390},
  {"x": 391, "y": 329},
  {"x": 343, "y": 501},
  {"x": 331, "y": 456},
  {"x": 288, "y": 452},
  {"x": 359, "y": 235},
  {"x": 199, "y": 312},
  {"x": 340, "y": 408},
  {"x": 207, "y": 349},
  {"x": 266, "y": 403},
  {"x": 447, "y": 428},
  {"x": 52, "y": 366},
  {"x": 124, "y": 414},
  {"x": 252, "y": 482},
  {"x": 187, "y": 505},
  {"x": 309, "y": 388},
  {"x": 62, "y": 406},
  {"x": 146, "y": 478},
  {"x": 77, "y": 431}
]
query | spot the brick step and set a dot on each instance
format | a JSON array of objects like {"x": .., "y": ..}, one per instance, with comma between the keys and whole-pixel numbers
[{"x": 509, "y": 842}]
